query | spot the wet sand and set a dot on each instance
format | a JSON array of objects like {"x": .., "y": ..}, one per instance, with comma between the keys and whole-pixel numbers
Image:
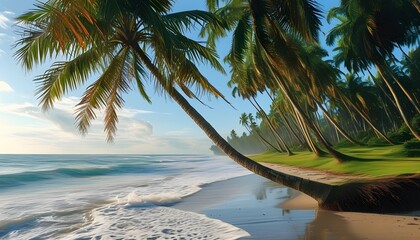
[
  {"x": 252, "y": 204},
  {"x": 270, "y": 211},
  {"x": 351, "y": 225}
]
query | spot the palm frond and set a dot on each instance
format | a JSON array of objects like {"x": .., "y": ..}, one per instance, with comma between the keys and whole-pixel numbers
[
  {"x": 241, "y": 41},
  {"x": 139, "y": 73},
  {"x": 230, "y": 14},
  {"x": 35, "y": 49},
  {"x": 104, "y": 93},
  {"x": 301, "y": 16},
  {"x": 186, "y": 20},
  {"x": 175, "y": 47},
  {"x": 65, "y": 76},
  {"x": 119, "y": 84}
]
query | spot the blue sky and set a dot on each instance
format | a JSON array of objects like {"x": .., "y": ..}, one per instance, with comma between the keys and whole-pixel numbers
[{"x": 161, "y": 127}]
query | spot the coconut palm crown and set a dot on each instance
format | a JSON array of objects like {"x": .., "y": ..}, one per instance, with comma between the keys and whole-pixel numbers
[{"x": 126, "y": 49}]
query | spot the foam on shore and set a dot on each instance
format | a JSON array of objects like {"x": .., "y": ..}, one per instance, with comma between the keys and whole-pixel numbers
[{"x": 125, "y": 222}]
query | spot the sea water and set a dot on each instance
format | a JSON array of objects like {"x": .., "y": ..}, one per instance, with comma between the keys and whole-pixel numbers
[{"x": 109, "y": 196}]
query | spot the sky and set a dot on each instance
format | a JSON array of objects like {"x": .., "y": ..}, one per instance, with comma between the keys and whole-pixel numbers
[{"x": 160, "y": 127}]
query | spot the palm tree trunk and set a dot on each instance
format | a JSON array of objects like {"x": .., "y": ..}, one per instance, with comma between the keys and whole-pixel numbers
[
  {"x": 397, "y": 101},
  {"x": 382, "y": 88},
  {"x": 316, "y": 150},
  {"x": 317, "y": 126},
  {"x": 336, "y": 154},
  {"x": 384, "y": 67},
  {"x": 416, "y": 4},
  {"x": 258, "y": 137},
  {"x": 337, "y": 134},
  {"x": 288, "y": 126},
  {"x": 408, "y": 57},
  {"x": 318, "y": 191},
  {"x": 337, "y": 126},
  {"x": 268, "y": 142},
  {"x": 281, "y": 145},
  {"x": 291, "y": 130},
  {"x": 365, "y": 117},
  {"x": 272, "y": 128}
]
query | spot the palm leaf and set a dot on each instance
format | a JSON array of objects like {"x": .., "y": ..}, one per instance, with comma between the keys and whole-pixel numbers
[
  {"x": 102, "y": 93},
  {"x": 65, "y": 76},
  {"x": 186, "y": 20}
]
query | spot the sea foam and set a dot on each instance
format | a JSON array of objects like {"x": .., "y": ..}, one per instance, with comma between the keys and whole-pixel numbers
[{"x": 125, "y": 222}]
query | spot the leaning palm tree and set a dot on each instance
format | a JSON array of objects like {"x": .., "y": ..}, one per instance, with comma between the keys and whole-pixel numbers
[
  {"x": 112, "y": 41},
  {"x": 368, "y": 32},
  {"x": 295, "y": 23},
  {"x": 247, "y": 120}
]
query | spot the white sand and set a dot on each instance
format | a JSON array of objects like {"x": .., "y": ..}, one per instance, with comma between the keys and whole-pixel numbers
[
  {"x": 313, "y": 174},
  {"x": 351, "y": 225}
]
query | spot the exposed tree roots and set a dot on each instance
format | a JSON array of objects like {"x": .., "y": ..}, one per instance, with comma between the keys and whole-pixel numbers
[{"x": 387, "y": 195}]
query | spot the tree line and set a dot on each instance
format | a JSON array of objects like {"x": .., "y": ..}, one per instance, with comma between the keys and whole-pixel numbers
[{"x": 363, "y": 94}]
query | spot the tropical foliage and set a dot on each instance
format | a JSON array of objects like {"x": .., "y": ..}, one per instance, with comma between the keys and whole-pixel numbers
[{"x": 315, "y": 103}]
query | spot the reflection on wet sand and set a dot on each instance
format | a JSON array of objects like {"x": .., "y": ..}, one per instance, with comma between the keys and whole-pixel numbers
[
  {"x": 269, "y": 211},
  {"x": 349, "y": 225},
  {"x": 328, "y": 225}
]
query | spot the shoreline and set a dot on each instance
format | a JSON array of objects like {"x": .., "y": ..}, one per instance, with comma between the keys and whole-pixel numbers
[
  {"x": 250, "y": 203},
  {"x": 267, "y": 210}
]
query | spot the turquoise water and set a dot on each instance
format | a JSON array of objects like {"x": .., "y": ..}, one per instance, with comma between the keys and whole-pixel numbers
[{"x": 109, "y": 196}]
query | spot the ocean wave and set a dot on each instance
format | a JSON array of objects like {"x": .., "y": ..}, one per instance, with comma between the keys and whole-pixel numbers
[
  {"x": 122, "y": 197},
  {"x": 119, "y": 221},
  {"x": 23, "y": 178}
]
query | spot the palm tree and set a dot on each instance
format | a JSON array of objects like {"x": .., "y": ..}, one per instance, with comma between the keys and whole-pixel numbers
[
  {"x": 286, "y": 27},
  {"x": 258, "y": 130},
  {"x": 279, "y": 106},
  {"x": 110, "y": 37},
  {"x": 283, "y": 53},
  {"x": 411, "y": 66},
  {"x": 367, "y": 34}
]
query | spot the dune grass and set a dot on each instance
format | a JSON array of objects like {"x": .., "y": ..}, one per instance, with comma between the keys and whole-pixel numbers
[{"x": 371, "y": 161}]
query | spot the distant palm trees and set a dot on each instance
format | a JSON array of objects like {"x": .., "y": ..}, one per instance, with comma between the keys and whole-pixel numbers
[
  {"x": 368, "y": 32},
  {"x": 273, "y": 51}
]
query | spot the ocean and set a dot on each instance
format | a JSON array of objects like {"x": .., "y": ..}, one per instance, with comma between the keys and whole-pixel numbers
[{"x": 109, "y": 196}]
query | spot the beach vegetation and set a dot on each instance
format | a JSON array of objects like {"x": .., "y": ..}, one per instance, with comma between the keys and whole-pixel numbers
[{"x": 375, "y": 162}]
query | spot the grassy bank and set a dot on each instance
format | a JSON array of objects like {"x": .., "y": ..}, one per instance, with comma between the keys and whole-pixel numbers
[{"x": 373, "y": 161}]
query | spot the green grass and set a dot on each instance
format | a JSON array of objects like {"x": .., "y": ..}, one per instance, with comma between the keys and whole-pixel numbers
[{"x": 372, "y": 161}]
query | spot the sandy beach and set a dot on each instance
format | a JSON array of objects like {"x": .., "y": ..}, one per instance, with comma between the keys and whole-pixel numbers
[{"x": 269, "y": 211}]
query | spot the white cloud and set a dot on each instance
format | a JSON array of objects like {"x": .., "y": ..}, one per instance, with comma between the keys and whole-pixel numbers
[
  {"x": 4, "y": 86},
  {"x": 55, "y": 132},
  {"x": 62, "y": 116},
  {"x": 4, "y": 20}
]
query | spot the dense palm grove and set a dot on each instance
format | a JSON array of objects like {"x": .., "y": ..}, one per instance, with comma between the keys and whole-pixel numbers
[
  {"x": 366, "y": 93},
  {"x": 117, "y": 45}
]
